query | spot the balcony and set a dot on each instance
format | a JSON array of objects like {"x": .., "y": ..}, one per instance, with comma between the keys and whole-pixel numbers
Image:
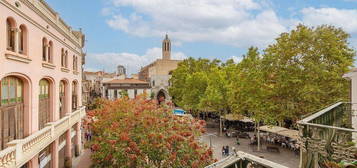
[
  {"x": 21, "y": 151},
  {"x": 328, "y": 136},
  {"x": 244, "y": 160}
]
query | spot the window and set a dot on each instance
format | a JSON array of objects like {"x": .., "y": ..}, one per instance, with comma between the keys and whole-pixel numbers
[
  {"x": 74, "y": 96},
  {"x": 153, "y": 83},
  {"x": 23, "y": 40},
  {"x": 62, "y": 104},
  {"x": 44, "y": 49},
  {"x": 10, "y": 26},
  {"x": 11, "y": 110},
  {"x": 44, "y": 103},
  {"x": 62, "y": 58},
  {"x": 50, "y": 52},
  {"x": 66, "y": 59},
  {"x": 75, "y": 63}
]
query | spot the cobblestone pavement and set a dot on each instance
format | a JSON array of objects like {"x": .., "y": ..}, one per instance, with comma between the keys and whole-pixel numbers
[
  {"x": 285, "y": 157},
  {"x": 84, "y": 160}
]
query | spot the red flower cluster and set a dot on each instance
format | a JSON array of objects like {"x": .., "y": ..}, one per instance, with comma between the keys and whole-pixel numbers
[{"x": 138, "y": 133}]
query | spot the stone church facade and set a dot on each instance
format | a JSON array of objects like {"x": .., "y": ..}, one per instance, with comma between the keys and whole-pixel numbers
[{"x": 159, "y": 72}]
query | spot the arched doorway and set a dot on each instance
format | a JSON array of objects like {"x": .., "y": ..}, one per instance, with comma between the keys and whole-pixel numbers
[
  {"x": 161, "y": 97},
  {"x": 11, "y": 110},
  {"x": 44, "y": 115},
  {"x": 62, "y": 98},
  {"x": 74, "y": 95}
]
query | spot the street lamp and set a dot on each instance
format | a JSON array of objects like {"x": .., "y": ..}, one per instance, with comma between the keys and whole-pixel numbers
[{"x": 210, "y": 138}]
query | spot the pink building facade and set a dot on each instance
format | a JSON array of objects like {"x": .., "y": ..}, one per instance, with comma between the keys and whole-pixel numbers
[{"x": 40, "y": 86}]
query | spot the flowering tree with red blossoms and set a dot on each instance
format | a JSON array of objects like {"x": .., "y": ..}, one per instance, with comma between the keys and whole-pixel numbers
[{"x": 138, "y": 133}]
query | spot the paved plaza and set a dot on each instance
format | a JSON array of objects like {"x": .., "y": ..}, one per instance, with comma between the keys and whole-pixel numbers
[
  {"x": 84, "y": 160},
  {"x": 285, "y": 157}
]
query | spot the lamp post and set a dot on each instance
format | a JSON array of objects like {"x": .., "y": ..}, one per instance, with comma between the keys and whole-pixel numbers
[{"x": 210, "y": 138}]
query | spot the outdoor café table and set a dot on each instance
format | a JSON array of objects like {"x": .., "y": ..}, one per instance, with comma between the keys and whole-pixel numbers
[{"x": 272, "y": 148}]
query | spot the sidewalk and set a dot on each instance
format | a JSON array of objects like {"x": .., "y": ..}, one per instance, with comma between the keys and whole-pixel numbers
[
  {"x": 285, "y": 157},
  {"x": 83, "y": 161}
]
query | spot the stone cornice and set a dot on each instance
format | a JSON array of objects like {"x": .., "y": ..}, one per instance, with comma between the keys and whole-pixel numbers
[{"x": 43, "y": 16}]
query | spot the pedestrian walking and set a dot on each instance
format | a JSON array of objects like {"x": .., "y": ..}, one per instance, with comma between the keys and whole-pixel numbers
[
  {"x": 237, "y": 141},
  {"x": 227, "y": 150}
]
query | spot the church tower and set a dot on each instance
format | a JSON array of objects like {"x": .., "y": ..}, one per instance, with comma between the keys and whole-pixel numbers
[{"x": 166, "y": 48}]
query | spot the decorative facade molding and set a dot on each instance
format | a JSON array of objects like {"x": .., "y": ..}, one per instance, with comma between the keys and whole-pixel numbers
[
  {"x": 17, "y": 57},
  {"x": 37, "y": 10},
  {"x": 48, "y": 65},
  {"x": 63, "y": 69}
]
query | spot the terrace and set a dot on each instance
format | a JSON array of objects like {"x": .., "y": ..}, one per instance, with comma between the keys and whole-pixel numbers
[{"x": 328, "y": 136}]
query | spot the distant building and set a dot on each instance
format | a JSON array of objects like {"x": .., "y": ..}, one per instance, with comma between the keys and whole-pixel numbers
[
  {"x": 117, "y": 88},
  {"x": 159, "y": 72},
  {"x": 93, "y": 83},
  {"x": 121, "y": 70},
  {"x": 135, "y": 76}
]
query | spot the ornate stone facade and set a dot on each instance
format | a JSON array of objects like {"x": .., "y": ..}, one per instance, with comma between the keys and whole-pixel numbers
[{"x": 41, "y": 62}]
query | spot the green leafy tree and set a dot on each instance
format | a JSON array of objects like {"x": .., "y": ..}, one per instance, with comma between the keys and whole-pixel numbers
[
  {"x": 249, "y": 91},
  {"x": 215, "y": 94},
  {"x": 189, "y": 82},
  {"x": 305, "y": 69}
]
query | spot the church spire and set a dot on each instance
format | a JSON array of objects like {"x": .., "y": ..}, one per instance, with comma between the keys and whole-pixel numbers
[{"x": 166, "y": 48}]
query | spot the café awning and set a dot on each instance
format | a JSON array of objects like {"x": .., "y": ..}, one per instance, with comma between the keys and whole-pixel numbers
[
  {"x": 237, "y": 117},
  {"x": 293, "y": 134}
]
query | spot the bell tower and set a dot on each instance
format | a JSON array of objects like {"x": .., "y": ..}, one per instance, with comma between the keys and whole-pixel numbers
[{"x": 166, "y": 48}]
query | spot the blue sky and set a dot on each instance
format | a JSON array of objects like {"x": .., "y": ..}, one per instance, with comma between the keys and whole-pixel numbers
[{"x": 129, "y": 32}]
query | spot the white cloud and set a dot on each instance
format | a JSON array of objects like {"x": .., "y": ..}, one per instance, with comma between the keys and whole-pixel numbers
[
  {"x": 240, "y": 23},
  {"x": 344, "y": 18},
  {"x": 133, "y": 62},
  {"x": 236, "y": 59}
]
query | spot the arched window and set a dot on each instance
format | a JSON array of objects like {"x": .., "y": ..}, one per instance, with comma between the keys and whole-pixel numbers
[
  {"x": 74, "y": 63},
  {"x": 66, "y": 59},
  {"x": 74, "y": 96},
  {"x": 50, "y": 52},
  {"x": 44, "y": 103},
  {"x": 62, "y": 99},
  {"x": 62, "y": 57},
  {"x": 23, "y": 40},
  {"x": 11, "y": 110},
  {"x": 11, "y": 30},
  {"x": 44, "y": 49}
]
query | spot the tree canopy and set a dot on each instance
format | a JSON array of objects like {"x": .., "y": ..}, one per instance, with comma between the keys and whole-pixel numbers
[{"x": 298, "y": 74}]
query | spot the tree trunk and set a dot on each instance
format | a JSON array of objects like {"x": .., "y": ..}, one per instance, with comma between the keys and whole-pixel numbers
[
  {"x": 258, "y": 136},
  {"x": 220, "y": 125}
]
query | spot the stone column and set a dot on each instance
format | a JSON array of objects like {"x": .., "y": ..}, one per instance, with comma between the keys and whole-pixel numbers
[
  {"x": 17, "y": 40},
  {"x": 78, "y": 139},
  {"x": 55, "y": 156},
  {"x": 33, "y": 163},
  {"x": 68, "y": 151}
]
